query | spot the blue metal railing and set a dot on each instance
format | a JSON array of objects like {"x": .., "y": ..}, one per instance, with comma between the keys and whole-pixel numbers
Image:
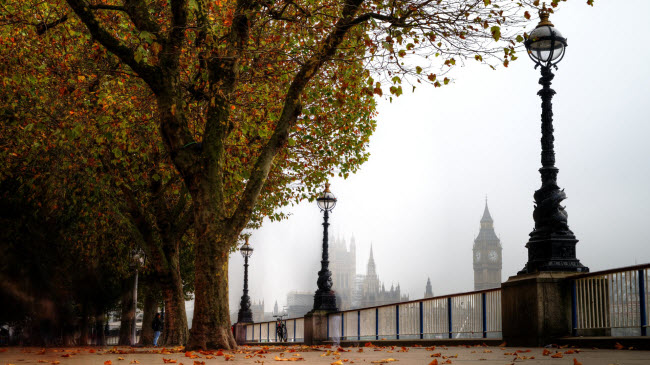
[
  {"x": 465, "y": 315},
  {"x": 266, "y": 331},
  {"x": 611, "y": 303}
]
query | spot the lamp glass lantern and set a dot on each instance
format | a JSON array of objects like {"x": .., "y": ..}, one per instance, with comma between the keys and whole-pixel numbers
[
  {"x": 545, "y": 44},
  {"x": 327, "y": 201},
  {"x": 246, "y": 249}
]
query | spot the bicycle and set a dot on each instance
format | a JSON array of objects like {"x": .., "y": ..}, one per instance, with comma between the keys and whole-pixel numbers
[{"x": 281, "y": 328}]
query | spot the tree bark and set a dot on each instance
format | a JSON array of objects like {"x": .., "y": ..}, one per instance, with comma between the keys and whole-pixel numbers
[
  {"x": 100, "y": 336},
  {"x": 150, "y": 309},
  {"x": 126, "y": 320},
  {"x": 211, "y": 321},
  {"x": 83, "y": 330},
  {"x": 175, "y": 330}
]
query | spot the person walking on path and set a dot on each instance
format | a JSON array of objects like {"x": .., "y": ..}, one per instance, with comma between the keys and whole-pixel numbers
[{"x": 156, "y": 325}]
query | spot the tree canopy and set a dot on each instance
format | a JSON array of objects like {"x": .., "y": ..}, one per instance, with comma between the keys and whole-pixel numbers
[{"x": 247, "y": 105}]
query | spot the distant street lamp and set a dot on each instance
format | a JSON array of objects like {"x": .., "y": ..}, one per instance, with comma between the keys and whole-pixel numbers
[
  {"x": 551, "y": 246},
  {"x": 138, "y": 260},
  {"x": 325, "y": 299},
  {"x": 245, "y": 314}
]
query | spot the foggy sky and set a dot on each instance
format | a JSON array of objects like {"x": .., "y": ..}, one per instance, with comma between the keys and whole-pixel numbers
[{"x": 437, "y": 153}]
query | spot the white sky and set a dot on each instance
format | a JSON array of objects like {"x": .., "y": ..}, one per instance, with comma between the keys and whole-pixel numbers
[{"x": 438, "y": 152}]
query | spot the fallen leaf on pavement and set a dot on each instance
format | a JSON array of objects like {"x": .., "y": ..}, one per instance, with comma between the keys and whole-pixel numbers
[
  {"x": 576, "y": 362},
  {"x": 557, "y": 355},
  {"x": 383, "y": 361}
]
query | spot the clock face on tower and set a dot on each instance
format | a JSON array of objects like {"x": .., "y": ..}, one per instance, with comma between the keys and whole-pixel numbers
[
  {"x": 493, "y": 256},
  {"x": 477, "y": 255}
]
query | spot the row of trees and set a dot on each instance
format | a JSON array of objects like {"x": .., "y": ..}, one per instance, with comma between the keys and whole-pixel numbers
[{"x": 168, "y": 127}]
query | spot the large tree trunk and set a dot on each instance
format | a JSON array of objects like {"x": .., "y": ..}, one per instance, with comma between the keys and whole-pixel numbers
[
  {"x": 83, "y": 330},
  {"x": 128, "y": 313},
  {"x": 211, "y": 322},
  {"x": 100, "y": 336},
  {"x": 175, "y": 330},
  {"x": 150, "y": 309}
]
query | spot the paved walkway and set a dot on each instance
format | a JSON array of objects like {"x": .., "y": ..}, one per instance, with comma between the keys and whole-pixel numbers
[{"x": 441, "y": 355}]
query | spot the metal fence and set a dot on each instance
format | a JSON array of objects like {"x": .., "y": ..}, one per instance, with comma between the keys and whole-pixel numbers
[
  {"x": 466, "y": 315},
  {"x": 266, "y": 331},
  {"x": 612, "y": 302}
]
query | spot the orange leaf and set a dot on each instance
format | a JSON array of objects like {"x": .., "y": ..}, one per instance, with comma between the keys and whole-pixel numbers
[
  {"x": 434, "y": 362},
  {"x": 107, "y": 362},
  {"x": 557, "y": 355},
  {"x": 576, "y": 362},
  {"x": 546, "y": 352},
  {"x": 618, "y": 346}
]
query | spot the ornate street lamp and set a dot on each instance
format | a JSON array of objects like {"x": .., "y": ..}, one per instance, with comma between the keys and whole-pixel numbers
[
  {"x": 325, "y": 299},
  {"x": 138, "y": 261},
  {"x": 245, "y": 314},
  {"x": 551, "y": 246}
]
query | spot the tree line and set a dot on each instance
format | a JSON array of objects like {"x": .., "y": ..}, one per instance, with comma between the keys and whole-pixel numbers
[{"x": 171, "y": 128}]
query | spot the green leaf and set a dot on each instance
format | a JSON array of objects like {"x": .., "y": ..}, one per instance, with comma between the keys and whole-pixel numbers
[{"x": 496, "y": 32}]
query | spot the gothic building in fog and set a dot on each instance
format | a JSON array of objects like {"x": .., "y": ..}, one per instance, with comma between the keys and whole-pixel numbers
[
  {"x": 356, "y": 290},
  {"x": 428, "y": 291},
  {"x": 487, "y": 255}
]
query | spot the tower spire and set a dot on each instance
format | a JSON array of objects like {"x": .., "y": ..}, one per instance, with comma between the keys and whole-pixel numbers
[
  {"x": 428, "y": 291},
  {"x": 487, "y": 218},
  {"x": 371, "y": 264}
]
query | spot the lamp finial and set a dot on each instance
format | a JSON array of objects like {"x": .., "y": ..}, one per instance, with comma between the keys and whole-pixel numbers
[{"x": 544, "y": 14}]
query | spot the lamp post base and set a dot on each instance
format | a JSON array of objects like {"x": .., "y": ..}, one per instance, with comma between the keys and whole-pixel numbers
[
  {"x": 325, "y": 301},
  {"x": 245, "y": 317},
  {"x": 552, "y": 252}
]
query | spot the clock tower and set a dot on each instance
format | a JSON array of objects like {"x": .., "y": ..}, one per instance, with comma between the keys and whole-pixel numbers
[{"x": 487, "y": 255}]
